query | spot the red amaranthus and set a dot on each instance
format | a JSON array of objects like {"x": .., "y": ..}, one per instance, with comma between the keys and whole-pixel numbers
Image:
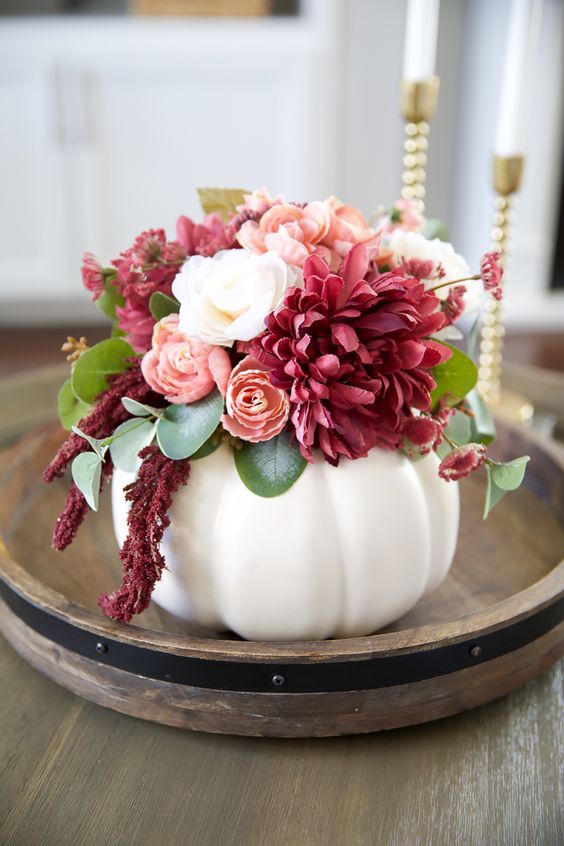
[
  {"x": 352, "y": 350},
  {"x": 150, "y": 496}
]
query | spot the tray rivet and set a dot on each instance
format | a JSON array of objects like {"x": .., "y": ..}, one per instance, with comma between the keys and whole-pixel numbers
[
  {"x": 278, "y": 680},
  {"x": 476, "y": 651},
  {"x": 101, "y": 648}
]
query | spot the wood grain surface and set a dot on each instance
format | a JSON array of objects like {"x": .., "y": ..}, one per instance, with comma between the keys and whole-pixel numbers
[{"x": 74, "y": 773}]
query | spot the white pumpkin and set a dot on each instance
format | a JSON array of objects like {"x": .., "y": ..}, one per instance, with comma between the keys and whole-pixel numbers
[{"x": 344, "y": 552}]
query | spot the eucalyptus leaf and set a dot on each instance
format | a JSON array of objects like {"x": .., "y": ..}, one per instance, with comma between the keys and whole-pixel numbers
[
  {"x": 222, "y": 200},
  {"x": 128, "y": 440},
  {"x": 503, "y": 478},
  {"x": 71, "y": 409},
  {"x": 139, "y": 409},
  {"x": 435, "y": 228},
  {"x": 459, "y": 428},
  {"x": 99, "y": 446},
  {"x": 509, "y": 475},
  {"x": 482, "y": 424},
  {"x": 183, "y": 429},
  {"x": 207, "y": 448},
  {"x": 111, "y": 297},
  {"x": 90, "y": 373},
  {"x": 161, "y": 306},
  {"x": 86, "y": 473},
  {"x": 271, "y": 467},
  {"x": 472, "y": 339},
  {"x": 455, "y": 378}
]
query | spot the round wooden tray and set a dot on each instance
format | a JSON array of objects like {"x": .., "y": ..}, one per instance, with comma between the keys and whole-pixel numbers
[{"x": 496, "y": 622}]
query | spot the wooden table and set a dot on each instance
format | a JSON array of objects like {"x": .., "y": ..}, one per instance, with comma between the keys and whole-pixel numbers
[{"x": 74, "y": 773}]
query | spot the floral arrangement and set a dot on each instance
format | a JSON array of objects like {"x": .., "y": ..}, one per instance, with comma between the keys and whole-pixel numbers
[{"x": 296, "y": 332}]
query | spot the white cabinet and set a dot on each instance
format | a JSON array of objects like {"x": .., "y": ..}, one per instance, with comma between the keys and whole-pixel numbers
[{"x": 110, "y": 125}]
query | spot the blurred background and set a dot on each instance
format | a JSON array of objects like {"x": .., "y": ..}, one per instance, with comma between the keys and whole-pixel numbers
[{"x": 115, "y": 111}]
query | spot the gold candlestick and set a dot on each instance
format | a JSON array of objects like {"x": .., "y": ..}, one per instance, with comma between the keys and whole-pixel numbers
[
  {"x": 418, "y": 105},
  {"x": 507, "y": 177}
]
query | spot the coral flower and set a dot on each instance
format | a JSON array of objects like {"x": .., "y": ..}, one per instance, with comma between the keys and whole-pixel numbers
[
  {"x": 256, "y": 410},
  {"x": 183, "y": 369},
  {"x": 291, "y": 231}
]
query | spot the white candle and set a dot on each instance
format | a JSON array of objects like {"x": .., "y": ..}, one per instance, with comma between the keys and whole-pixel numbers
[
  {"x": 420, "y": 40},
  {"x": 518, "y": 75}
]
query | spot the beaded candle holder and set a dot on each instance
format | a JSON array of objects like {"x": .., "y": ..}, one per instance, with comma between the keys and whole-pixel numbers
[{"x": 418, "y": 105}]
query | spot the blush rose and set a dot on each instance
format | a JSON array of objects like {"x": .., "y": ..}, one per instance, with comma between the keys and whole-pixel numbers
[
  {"x": 256, "y": 410},
  {"x": 183, "y": 369}
]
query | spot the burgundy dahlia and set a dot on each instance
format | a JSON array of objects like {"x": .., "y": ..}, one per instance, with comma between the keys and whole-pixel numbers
[{"x": 353, "y": 352}]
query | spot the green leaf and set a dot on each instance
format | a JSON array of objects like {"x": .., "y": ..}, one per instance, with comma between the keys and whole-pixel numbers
[
  {"x": 160, "y": 305},
  {"x": 222, "y": 200},
  {"x": 129, "y": 439},
  {"x": 86, "y": 473},
  {"x": 99, "y": 446},
  {"x": 455, "y": 377},
  {"x": 91, "y": 371},
  {"x": 459, "y": 428},
  {"x": 139, "y": 409},
  {"x": 482, "y": 424},
  {"x": 111, "y": 297},
  {"x": 116, "y": 331},
  {"x": 183, "y": 429},
  {"x": 207, "y": 448},
  {"x": 71, "y": 409},
  {"x": 270, "y": 468},
  {"x": 435, "y": 228},
  {"x": 509, "y": 474},
  {"x": 472, "y": 339},
  {"x": 503, "y": 478}
]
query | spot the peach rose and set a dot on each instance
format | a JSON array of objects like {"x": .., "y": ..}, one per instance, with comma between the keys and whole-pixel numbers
[
  {"x": 291, "y": 231},
  {"x": 349, "y": 227},
  {"x": 256, "y": 410},
  {"x": 182, "y": 368}
]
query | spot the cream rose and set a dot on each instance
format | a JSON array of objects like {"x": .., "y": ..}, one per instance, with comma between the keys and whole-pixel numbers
[
  {"x": 412, "y": 245},
  {"x": 226, "y": 297}
]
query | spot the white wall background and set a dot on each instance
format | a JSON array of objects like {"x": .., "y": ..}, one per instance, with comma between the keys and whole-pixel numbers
[{"x": 109, "y": 125}]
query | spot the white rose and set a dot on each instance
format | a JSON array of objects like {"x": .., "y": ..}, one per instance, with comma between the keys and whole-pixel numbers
[
  {"x": 411, "y": 245},
  {"x": 226, "y": 297}
]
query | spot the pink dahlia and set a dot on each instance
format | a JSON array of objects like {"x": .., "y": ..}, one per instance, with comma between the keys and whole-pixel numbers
[
  {"x": 352, "y": 351},
  {"x": 491, "y": 271},
  {"x": 150, "y": 265}
]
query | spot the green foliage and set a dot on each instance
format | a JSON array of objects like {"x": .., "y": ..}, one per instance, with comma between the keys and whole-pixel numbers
[
  {"x": 160, "y": 305},
  {"x": 222, "y": 200},
  {"x": 435, "y": 228},
  {"x": 86, "y": 473},
  {"x": 91, "y": 371},
  {"x": 207, "y": 448},
  {"x": 455, "y": 378},
  {"x": 472, "y": 339},
  {"x": 139, "y": 409},
  {"x": 482, "y": 425},
  {"x": 183, "y": 429},
  {"x": 71, "y": 409},
  {"x": 503, "y": 477},
  {"x": 270, "y": 468},
  {"x": 100, "y": 447},
  {"x": 127, "y": 442},
  {"x": 111, "y": 297}
]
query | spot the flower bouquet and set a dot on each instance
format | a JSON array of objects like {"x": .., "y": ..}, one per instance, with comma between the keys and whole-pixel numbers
[{"x": 284, "y": 415}]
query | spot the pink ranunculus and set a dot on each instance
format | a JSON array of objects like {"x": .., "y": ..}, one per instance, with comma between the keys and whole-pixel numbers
[
  {"x": 256, "y": 410},
  {"x": 405, "y": 215},
  {"x": 183, "y": 369},
  {"x": 291, "y": 231},
  {"x": 92, "y": 275}
]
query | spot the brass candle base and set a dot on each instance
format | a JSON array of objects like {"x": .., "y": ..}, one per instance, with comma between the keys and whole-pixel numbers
[
  {"x": 418, "y": 105},
  {"x": 507, "y": 176}
]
